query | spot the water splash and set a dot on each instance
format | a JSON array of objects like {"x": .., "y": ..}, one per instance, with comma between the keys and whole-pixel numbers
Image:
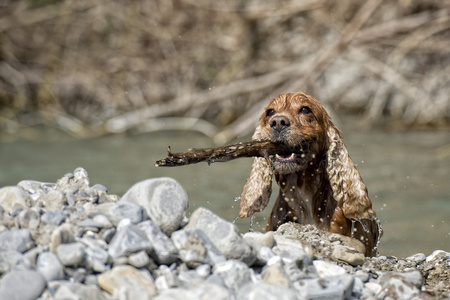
[
  {"x": 251, "y": 223},
  {"x": 353, "y": 228}
]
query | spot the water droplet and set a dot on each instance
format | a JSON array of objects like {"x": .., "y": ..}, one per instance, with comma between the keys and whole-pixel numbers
[{"x": 236, "y": 199}]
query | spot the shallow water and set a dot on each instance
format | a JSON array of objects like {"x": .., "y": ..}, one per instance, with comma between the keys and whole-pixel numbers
[{"x": 407, "y": 174}]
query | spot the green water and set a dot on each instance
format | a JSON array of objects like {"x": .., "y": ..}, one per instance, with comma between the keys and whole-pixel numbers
[{"x": 407, "y": 174}]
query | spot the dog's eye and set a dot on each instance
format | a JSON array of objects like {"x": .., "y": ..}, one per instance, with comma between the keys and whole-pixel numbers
[
  {"x": 270, "y": 112},
  {"x": 305, "y": 110}
]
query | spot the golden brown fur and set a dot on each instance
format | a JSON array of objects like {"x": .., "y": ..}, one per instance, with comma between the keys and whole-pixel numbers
[{"x": 318, "y": 181}]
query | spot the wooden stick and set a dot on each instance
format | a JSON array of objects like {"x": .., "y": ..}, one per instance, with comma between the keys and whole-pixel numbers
[{"x": 224, "y": 153}]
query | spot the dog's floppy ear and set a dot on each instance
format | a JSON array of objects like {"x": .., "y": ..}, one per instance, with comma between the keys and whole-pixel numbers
[
  {"x": 348, "y": 188},
  {"x": 257, "y": 190}
]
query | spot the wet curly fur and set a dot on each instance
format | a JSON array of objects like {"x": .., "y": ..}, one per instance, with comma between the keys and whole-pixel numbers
[{"x": 319, "y": 183}]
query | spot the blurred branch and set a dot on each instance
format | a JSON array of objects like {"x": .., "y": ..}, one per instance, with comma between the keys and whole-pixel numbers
[{"x": 242, "y": 126}]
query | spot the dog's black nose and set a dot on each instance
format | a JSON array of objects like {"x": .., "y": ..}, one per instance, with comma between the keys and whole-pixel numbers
[{"x": 280, "y": 123}]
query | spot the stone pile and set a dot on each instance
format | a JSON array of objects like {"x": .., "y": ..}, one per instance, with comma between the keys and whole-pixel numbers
[{"x": 70, "y": 240}]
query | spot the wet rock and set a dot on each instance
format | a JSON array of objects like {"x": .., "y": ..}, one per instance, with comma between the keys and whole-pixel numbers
[
  {"x": 224, "y": 235},
  {"x": 266, "y": 291},
  {"x": 163, "y": 249},
  {"x": 50, "y": 266},
  {"x": 195, "y": 248},
  {"x": 22, "y": 285},
  {"x": 417, "y": 258},
  {"x": 121, "y": 276},
  {"x": 71, "y": 255},
  {"x": 129, "y": 239},
  {"x": 13, "y": 198},
  {"x": 17, "y": 239},
  {"x": 323, "y": 242},
  {"x": 164, "y": 199}
]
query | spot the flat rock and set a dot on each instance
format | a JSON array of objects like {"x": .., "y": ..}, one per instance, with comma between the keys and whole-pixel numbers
[
  {"x": 347, "y": 254},
  {"x": 75, "y": 290},
  {"x": 326, "y": 269},
  {"x": 125, "y": 276},
  {"x": 164, "y": 199}
]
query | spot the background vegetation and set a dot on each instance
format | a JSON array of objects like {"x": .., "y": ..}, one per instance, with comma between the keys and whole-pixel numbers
[{"x": 92, "y": 67}]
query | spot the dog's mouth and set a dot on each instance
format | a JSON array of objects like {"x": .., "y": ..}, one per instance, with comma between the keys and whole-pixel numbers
[
  {"x": 292, "y": 159},
  {"x": 288, "y": 158}
]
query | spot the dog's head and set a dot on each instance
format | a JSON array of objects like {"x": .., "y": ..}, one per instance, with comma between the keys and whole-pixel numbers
[{"x": 298, "y": 121}]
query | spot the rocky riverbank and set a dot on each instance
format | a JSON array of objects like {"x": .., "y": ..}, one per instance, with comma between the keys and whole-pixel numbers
[{"x": 70, "y": 240}]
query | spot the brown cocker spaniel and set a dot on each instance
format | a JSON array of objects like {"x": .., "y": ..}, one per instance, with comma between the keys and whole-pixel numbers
[{"x": 318, "y": 181}]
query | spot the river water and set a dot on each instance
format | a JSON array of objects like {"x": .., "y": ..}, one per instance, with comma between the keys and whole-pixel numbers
[{"x": 407, "y": 174}]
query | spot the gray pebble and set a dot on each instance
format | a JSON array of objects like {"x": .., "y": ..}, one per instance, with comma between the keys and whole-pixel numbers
[
  {"x": 224, "y": 235},
  {"x": 195, "y": 248},
  {"x": 22, "y": 285},
  {"x": 71, "y": 255},
  {"x": 16, "y": 239},
  {"x": 13, "y": 198},
  {"x": 50, "y": 266},
  {"x": 55, "y": 217},
  {"x": 13, "y": 260},
  {"x": 164, "y": 251},
  {"x": 127, "y": 240},
  {"x": 164, "y": 199},
  {"x": 126, "y": 210},
  {"x": 234, "y": 274},
  {"x": 139, "y": 259}
]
